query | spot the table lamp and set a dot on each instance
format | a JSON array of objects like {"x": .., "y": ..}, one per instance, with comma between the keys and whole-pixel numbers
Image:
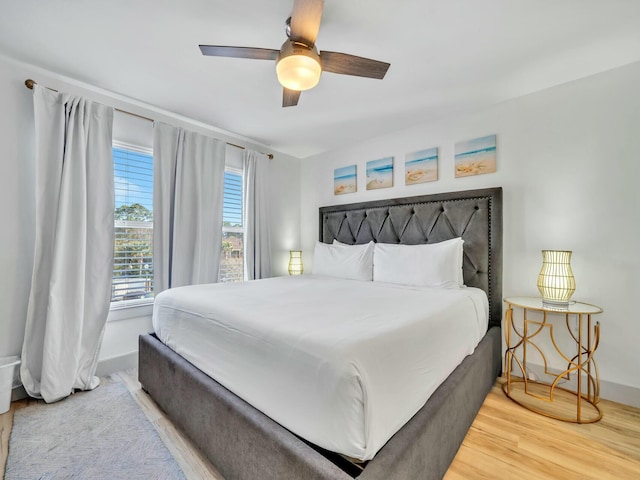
[
  {"x": 295, "y": 262},
  {"x": 556, "y": 282}
]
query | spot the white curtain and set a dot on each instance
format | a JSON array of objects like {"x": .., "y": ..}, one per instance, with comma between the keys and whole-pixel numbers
[
  {"x": 73, "y": 256},
  {"x": 188, "y": 183},
  {"x": 257, "y": 241}
]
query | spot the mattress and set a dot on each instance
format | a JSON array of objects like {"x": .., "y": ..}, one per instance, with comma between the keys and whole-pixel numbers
[{"x": 342, "y": 363}]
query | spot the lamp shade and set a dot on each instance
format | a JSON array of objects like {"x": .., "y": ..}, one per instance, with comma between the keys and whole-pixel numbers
[
  {"x": 295, "y": 262},
  {"x": 556, "y": 282}
]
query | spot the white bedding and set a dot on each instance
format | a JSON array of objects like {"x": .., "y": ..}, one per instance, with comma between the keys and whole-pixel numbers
[{"x": 342, "y": 363}]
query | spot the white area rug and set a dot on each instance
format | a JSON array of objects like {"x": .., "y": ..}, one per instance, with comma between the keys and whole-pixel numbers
[{"x": 101, "y": 434}]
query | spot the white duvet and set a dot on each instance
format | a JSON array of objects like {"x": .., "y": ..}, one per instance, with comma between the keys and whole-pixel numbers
[{"x": 342, "y": 363}]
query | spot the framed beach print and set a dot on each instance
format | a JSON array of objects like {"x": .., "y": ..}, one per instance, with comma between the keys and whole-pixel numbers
[
  {"x": 344, "y": 180},
  {"x": 475, "y": 157},
  {"x": 380, "y": 173},
  {"x": 421, "y": 166}
]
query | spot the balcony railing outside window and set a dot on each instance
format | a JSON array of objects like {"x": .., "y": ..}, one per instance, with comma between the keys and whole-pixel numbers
[{"x": 133, "y": 263}]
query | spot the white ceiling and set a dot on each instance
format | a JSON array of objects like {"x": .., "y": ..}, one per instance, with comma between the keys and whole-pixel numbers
[{"x": 446, "y": 56}]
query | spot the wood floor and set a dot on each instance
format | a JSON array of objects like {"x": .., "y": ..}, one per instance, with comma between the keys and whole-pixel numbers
[
  {"x": 505, "y": 442},
  {"x": 6, "y": 421}
]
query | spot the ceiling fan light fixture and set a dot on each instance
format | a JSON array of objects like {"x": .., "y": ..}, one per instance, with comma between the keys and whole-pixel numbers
[
  {"x": 298, "y": 62},
  {"x": 298, "y": 66}
]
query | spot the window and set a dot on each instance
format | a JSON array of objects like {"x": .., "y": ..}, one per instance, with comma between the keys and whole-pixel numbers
[
  {"x": 133, "y": 249},
  {"x": 232, "y": 251}
]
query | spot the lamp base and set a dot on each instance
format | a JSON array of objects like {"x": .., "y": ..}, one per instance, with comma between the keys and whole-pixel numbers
[{"x": 556, "y": 304}]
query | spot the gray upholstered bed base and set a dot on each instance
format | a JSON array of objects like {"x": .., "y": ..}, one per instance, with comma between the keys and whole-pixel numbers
[{"x": 243, "y": 443}]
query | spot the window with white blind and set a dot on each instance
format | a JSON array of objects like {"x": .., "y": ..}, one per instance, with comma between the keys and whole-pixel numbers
[
  {"x": 232, "y": 251},
  {"x": 133, "y": 249}
]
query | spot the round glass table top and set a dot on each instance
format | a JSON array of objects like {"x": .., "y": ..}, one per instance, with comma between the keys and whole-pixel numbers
[{"x": 536, "y": 303}]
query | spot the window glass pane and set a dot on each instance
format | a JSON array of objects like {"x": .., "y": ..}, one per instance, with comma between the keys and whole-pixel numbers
[
  {"x": 133, "y": 249},
  {"x": 232, "y": 210},
  {"x": 231, "y": 255}
]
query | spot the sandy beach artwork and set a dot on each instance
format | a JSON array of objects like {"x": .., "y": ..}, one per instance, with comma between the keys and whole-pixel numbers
[
  {"x": 380, "y": 173},
  {"x": 475, "y": 157},
  {"x": 421, "y": 167},
  {"x": 344, "y": 180}
]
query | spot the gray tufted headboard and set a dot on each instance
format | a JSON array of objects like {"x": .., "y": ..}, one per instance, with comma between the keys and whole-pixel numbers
[{"x": 474, "y": 215}]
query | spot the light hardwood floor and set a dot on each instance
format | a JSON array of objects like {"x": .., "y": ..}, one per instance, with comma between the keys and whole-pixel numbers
[
  {"x": 505, "y": 442},
  {"x": 6, "y": 421}
]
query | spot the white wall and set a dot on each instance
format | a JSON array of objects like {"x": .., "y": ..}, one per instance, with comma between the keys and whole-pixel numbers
[
  {"x": 17, "y": 198},
  {"x": 569, "y": 164}
]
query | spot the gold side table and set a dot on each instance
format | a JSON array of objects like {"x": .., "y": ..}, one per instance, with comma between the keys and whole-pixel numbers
[{"x": 577, "y": 403}]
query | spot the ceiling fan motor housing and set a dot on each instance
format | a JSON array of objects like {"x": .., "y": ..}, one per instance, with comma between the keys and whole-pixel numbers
[{"x": 298, "y": 66}]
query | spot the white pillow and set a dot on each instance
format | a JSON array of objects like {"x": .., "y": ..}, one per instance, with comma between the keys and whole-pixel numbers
[
  {"x": 337, "y": 243},
  {"x": 429, "y": 265},
  {"x": 353, "y": 263}
]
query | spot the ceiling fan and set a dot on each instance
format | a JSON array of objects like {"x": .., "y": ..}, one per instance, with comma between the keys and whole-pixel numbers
[{"x": 298, "y": 62}]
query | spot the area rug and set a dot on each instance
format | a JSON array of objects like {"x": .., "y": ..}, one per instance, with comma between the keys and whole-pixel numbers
[{"x": 102, "y": 434}]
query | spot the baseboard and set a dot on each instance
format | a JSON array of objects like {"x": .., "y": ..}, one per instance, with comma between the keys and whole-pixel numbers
[
  {"x": 620, "y": 393},
  {"x": 18, "y": 393},
  {"x": 118, "y": 363},
  {"x": 615, "y": 392}
]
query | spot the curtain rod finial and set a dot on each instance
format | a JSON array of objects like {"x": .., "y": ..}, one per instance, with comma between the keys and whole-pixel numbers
[{"x": 29, "y": 83}]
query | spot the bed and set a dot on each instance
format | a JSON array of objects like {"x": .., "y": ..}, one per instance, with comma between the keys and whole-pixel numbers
[{"x": 244, "y": 443}]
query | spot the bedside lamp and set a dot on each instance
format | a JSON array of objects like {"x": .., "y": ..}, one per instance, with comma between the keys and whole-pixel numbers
[
  {"x": 295, "y": 262},
  {"x": 556, "y": 282}
]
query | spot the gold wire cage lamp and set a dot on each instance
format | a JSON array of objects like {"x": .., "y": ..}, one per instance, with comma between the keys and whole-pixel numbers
[
  {"x": 295, "y": 262},
  {"x": 556, "y": 282}
]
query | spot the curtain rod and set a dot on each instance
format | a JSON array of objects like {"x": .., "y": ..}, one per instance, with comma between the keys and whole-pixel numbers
[{"x": 30, "y": 83}]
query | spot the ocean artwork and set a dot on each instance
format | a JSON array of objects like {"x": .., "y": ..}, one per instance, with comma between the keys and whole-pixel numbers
[
  {"x": 380, "y": 173},
  {"x": 421, "y": 167},
  {"x": 475, "y": 157},
  {"x": 344, "y": 180}
]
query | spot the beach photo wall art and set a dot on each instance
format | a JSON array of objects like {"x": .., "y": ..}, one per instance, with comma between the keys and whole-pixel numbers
[
  {"x": 421, "y": 166},
  {"x": 475, "y": 157},
  {"x": 344, "y": 180},
  {"x": 380, "y": 173}
]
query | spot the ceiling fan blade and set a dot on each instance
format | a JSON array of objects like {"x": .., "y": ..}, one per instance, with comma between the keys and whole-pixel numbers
[
  {"x": 290, "y": 97},
  {"x": 305, "y": 21},
  {"x": 240, "y": 52},
  {"x": 346, "y": 64}
]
